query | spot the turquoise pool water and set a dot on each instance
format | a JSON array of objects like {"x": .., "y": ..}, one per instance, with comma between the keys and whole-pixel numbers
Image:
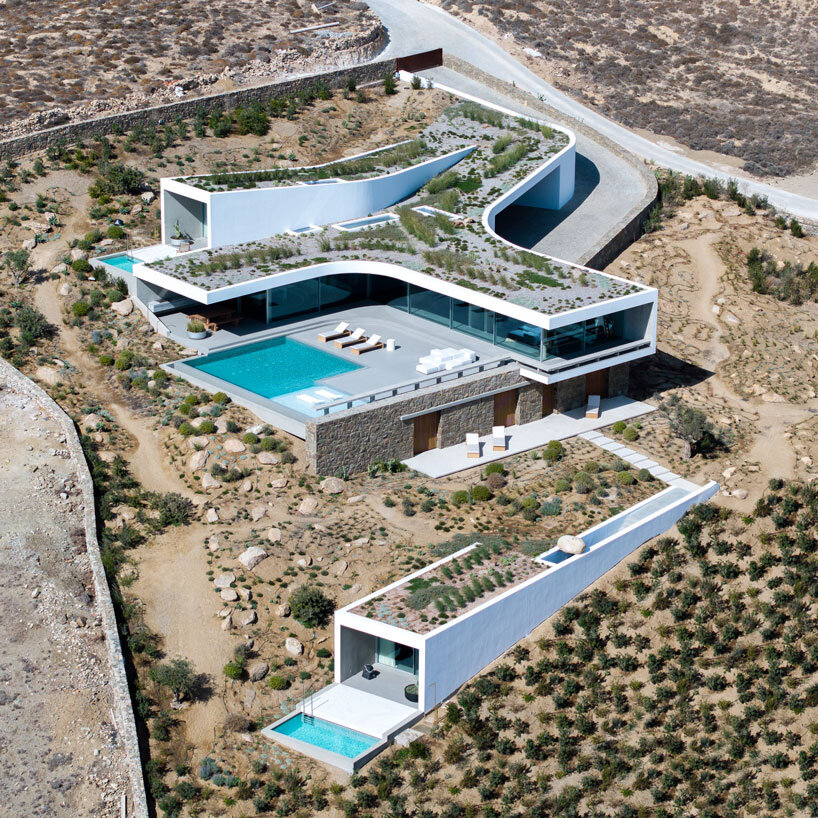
[
  {"x": 326, "y": 735},
  {"x": 124, "y": 261},
  {"x": 273, "y": 367}
]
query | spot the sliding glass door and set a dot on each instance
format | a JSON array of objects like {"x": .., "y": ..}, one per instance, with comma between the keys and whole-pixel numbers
[{"x": 393, "y": 654}]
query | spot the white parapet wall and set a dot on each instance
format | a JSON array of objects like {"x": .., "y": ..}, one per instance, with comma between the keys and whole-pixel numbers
[{"x": 455, "y": 652}]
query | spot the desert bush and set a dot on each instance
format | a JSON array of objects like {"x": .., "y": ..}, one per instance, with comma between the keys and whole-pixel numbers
[
  {"x": 310, "y": 606},
  {"x": 625, "y": 478},
  {"x": 553, "y": 451}
]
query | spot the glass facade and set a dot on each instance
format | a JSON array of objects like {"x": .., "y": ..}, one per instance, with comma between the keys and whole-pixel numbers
[{"x": 331, "y": 293}]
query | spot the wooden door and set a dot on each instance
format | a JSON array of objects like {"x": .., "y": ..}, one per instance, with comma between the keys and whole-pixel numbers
[
  {"x": 596, "y": 383},
  {"x": 547, "y": 399},
  {"x": 505, "y": 408},
  {"x": 426, "y": 427}
]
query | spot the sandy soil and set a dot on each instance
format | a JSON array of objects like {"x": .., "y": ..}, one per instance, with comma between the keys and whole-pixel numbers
[{"x": 60, "y": 752}]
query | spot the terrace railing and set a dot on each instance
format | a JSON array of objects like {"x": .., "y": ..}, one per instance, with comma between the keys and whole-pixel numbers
[{"x": 406, "y": 387}]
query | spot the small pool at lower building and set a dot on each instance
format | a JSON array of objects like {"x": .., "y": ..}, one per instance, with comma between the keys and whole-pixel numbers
[
  {"x": 369, "y": 221},
  {"x": 326, "y": 735},
  {"x": 277, "y": 366},
  {"x": 124, "y": 261}
]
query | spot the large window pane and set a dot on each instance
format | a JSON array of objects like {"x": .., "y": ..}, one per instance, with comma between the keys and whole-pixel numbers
[
  {"x": 343, "y": 290},
  {"x": 432, "y": 306},
  {"x": 389, "y": 291},
  {"x": 565, "y": 341},
  {"x": 518, "y": 336},
  {"x": 473, "y": 320},
  {"x": 293, "y": 300}
]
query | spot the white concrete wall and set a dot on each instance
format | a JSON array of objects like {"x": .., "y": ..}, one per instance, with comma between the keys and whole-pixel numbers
[
  {"x": 457, "y": 651},
  {"x": 249, "y": 215}
]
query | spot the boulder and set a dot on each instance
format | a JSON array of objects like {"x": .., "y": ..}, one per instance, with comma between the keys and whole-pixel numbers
[
  {"x": 124, "y": 307},
  {"x": 197, "y": 442},
  {"x": 212, "y": 516},
  {"x": 332, "y": 485},
  {"x": 148, "y": 196},
  {"x": 356, "y": 498},
  {"x": 245, "y": 593},
  {"x": 274, "y": 535},
  {"x": 224, "y": 580},
  {"x": 213, "y": 543},
  {"x": 257, "y": 512},
  {"x": 308, "y": 506},
  {"x": 210, "y": 482},
  {"x": 91, "y": 420},
  {"x": 252, "y": 556},
  {"x": 65, "y": 288},
  {"x": 247, "y": 486},
  {"x": 229, "y": 595},
  {"x": 227, "y": 623},
  {"x": 729, "y": 472},
  {"x": 234, "y": 446},
  {"x": 304, "y": 562},
  {"x": 29, "y": 244},
  {"x": 268, "y": 459},
  {"x": 340, "y": 568},
  {"x": 740, "y": 494},
  {"x": 248, "y": 618},
  {"x": 221, "y": 426},
  {"x": 279, "y": 484},
  {"x": 198, "y": 460},
  {"x": 77, "y": 254},
  {"x": 571, "y": 544},
  {"x": 293, "y": 646},
  {"x": 283, "y": 610},
  {"x": 157, "y": 345},
  {"x": 258, "y": 671}
]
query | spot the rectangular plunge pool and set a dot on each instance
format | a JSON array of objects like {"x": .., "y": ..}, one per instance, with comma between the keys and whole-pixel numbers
[
  {"x": 326, "y": 735},
  {"x": 369, "y": 221},
  {"x": 124, "y": 261}
]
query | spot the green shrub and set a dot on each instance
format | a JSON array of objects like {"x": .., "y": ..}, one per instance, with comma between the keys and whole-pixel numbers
[
  {"x": 592, "y": 467},
  {"x": 195, "y": 326},
  {"x": 115, "y": 232},
  {"x": 31, "y": 322},
  {"x": 480, "y": 493},
  {"x": 106, "y": 360},
  {"x": 583, "y": 482},
  {"x": 495, "y": 468},
  {"x": 561, "y": 485},
  {"x": 310, "y": 606},
  {"x": 460, "y": 497},
  {"x": 80, "y": 309},
  {"x": 220, "y": 398},
  {"x": 278, "y": 683},
  {"x": 233, "y": 670},
  {"x": 249, "y": 438},
  {"x": 123, "y": 361},
  {"x": 554, "y": 451},
  {"x": 630, "y": 434},
  {"x": 81, "y": 265},
  {"x": 173, "y": 509},
  {"x": 644, "y": 476},
  {"x": 287, "y": 458},
  {"x": 619, "y": 427},
  {"x": 552, "y": 507},
  {"x": 207, "y": 427},
  {"x": 625, "y": 478},
  {"x": 269, "y": 444},
  {"x": 187, "y": 429}
]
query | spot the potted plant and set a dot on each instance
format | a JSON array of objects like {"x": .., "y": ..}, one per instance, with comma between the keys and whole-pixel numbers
[
  {"x": 178, "y": 236},
  {"x": 196, "y": 330},
  {"x": 411, "y": 692}
]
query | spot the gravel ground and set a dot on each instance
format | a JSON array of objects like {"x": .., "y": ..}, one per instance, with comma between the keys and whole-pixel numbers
[{"x": 60, "y": 754}]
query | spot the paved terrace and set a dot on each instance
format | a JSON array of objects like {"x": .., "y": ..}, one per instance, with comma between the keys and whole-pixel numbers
[{"x": 456, "y": 249}]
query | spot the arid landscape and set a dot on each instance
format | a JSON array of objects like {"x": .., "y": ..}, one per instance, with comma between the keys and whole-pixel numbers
[
  {"x": 729, "y": 77},
  {"x": 80, "y": 60},
  {"x": 681, "y": 681}
]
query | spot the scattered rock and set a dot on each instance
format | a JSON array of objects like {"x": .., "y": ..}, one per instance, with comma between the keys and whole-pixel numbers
[
  {"x": 258, "y": 671},
  {"x": 198, "y": 460},
  {"x": 234, "y": 446},
  {"x": 571, "y": 544},
  {"x": 252, "y": 556},
  {"x": 227, "y": 623},
  {"x": 729, "y": 472},
  {"x": 147, "y": 197},
  {"x": 741, "y": 494},
  {"x": 224, "y": 580},
  {"x": 248, "y": 618},
  {"x": 247, "y": 486},
  {"x": 77, "y": 254},
  {"x": 332, "y": 485},
  {"x": 29, "y": 244},
  {"x": 340, "y": 568},
  {"x": 268, "y": 459},
  {"x": 92, "y": 420},
  {"x": 157, "y": 346},
  {"x": 210, "y": 482},
  {"x": 304, "y": 562},
  {"x": 293, "y": 646},
  {"x": 279, "y": 484},
  {"x": 212, "y": 516},
  {"x": 213, "y": 543},
  {"x": 283, "y": 610},
  {"x": 245, "y": 593},
  {"x": 773, "y": 397},
  {"x": 65, "y": 288},
  {"x": 274, "y": 535},
  {"x": 124, "y": 307},
  {"x": 308, "y": 506},
  {"x": 257, "y": 512},
  {"x": 356, "y": 498},
  {"x": 229, "y": 595}
]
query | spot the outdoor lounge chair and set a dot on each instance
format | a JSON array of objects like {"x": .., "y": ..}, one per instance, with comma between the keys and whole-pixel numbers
[
  {"x": 461, "y": 358},
  {"x": 373, "y": 343},
  {"x": 356, "y": 337},
  {"x": 328, "y": 394},
  {"x": 592, "y": 410},
  {"x": 472, "y": 445},
  {"x": 341, "y": 331},
  {"x": 369, "y": 672},
  {"x": 498, "y": 438},
  {"x": 310, "y": 399}
]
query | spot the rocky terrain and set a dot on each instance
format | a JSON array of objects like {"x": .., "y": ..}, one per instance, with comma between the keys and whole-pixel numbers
[
  {"x": 83, "y": 60},
  {"x": 60, "y": 749}
]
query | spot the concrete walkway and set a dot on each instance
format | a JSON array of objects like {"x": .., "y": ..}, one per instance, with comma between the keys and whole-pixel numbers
[{"x": 452, "y": 459}]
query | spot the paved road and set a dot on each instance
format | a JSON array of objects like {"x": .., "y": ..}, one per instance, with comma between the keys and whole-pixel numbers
[
  {"x": 607, "y": 190},
  {"x": 414, "y": 26}
]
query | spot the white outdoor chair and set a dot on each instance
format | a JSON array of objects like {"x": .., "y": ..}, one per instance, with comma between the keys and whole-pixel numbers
[
  {"x": 472, "y": 445},
  {"x": 373, "y": 343},
  {"x": 356, "y": 337},
  {"x": 498, "y": 438},
  {"x": 341, "y": 331},
  {"x": 592, "y": 410}
]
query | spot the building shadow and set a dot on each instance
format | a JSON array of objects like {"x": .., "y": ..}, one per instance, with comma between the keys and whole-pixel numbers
[
  {"x": 526, "y": 226},
  {"x": 657, "y": 375}
]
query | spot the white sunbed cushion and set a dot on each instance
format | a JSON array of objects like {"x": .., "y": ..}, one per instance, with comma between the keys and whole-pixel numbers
[
  {"x": 342, "y": 327},
  {"x": 499, "y": 433},
  {"x": 311, "y": 399},
  {"x": 374, "y": 339},
  {"x": 357, "y": 333},
  {"x": 326, "y": 393},
  {"x": 429, "y": 367},
  {"x": 472, "y": 439}
]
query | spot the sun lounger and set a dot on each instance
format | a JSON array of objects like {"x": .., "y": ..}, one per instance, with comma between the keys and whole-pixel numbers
[
  {"x": 310, "y": 399},
  {"x": 429, "y": 367},
  {"x": 498, "y": 438},
  {"x": 472, "y": 445},
  {"x": 328, "y": 394},
  {"x": 357, "y": 337},
  {"x": 341, "y": 331},
  {"x": 592, "y": 410},
  {"x": 461, "y": 358},
  {"x": 372, "y": 344}
]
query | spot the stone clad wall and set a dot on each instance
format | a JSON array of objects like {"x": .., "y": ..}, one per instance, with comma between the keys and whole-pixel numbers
[
  {"x": 17, "y": 146},
  {"x": 569, "y": 394},
  {"x": 618, "y": 380},
  {"x": 124, "y": 717}
]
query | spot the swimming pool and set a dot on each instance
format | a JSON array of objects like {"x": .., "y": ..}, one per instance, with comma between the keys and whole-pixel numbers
[
  {"x": 277, "y": 366},
  {"x": 326, "y": 735},
  {"x": 124, "y": 261},
  {"x": 369, "y": 221}
]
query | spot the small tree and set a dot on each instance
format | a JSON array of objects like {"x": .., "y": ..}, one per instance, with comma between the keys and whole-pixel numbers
[
  {"x": 389, "y": 86},
  {"x": 690, "y": 425},
  {"x": 310, "y": 606},
  {"x": 178, "y": 676},
  {"x": 18, "y": 263}
]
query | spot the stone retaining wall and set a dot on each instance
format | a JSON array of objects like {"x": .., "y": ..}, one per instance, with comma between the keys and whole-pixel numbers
[
  {"x": 125, "y": 722},
  {"x": 228, "y": 100}
]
